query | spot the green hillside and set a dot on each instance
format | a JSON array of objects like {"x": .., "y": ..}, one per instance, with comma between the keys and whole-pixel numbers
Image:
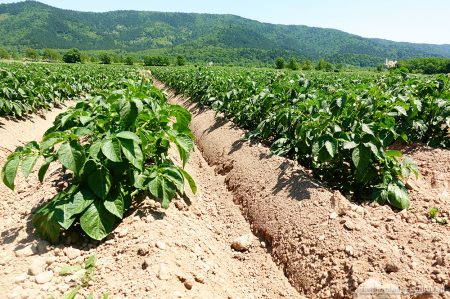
[{"x": 200, "y": 37}]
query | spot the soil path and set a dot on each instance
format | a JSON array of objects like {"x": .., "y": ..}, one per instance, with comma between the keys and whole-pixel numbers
[{"x": 182, "y": 252}]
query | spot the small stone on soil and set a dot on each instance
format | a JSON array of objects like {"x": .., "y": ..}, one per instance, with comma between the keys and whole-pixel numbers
[
  {"x": 189, "y": 284},
  {"x": 161, "y": 245},
  {"x": 349, "y": 250},
  {"x": 243, "y": 243},
  {"x": 333, "y": 215},
  {"x": 44, "y": 277},
  {"x": 26, "y": 251}
]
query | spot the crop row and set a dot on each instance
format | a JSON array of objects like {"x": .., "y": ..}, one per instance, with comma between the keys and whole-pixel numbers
[
  {"x": 115, "y": 144},
  {"x": 26, "y": 88},
  {"x": 341, "y": 126}
]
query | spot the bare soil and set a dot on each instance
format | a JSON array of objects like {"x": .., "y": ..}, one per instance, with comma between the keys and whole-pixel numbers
[
  {"x": 182, "y": 252},
  {"x": 329, "y": 246}
]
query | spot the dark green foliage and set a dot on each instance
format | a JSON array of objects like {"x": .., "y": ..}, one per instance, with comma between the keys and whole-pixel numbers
[
  {"x": 129, "y": 60},
  {"x": 307, "y": 65},
  {"x": 51, "y": 55},
  {"x": 199, "y": 37},
  {"x": 4, "y": 54},
  {"x": 129, "y": 127},
  {"x": 156, "y": 61},
  {"x": 105, "y": 58},
  {"x": 31, "y": 54},
  {"x": 280, "y": 63},
  {"x": 324, "y": 66},
  {"x": 339, "y": 125},
  {"x": 426, "y": 65},
  {"x": 181, "y": 60},
  {"x": 72, "y": 56},
  {"x": 293, "y": 64}
]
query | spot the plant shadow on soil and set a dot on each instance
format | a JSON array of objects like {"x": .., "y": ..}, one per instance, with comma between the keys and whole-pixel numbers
[
  {"x": 236, "y": 146},
  {"x": 9, "y": 236},
  {"x": 295, "y": 181},
  {"x": 219, "y": 122}
]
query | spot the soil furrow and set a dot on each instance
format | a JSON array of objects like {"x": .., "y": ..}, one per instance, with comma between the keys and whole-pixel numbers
[{"x": 328, "y": 245}]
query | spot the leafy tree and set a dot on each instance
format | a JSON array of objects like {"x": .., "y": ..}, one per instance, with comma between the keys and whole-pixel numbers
[
  {"x": 85, "y": 56},
  {"x": 129, "y": 60},
  {"x": 280, "y": 63},
  {"x": 307, "y": 65},
  {"x": 94, "y": 58},
  {"x": 324, "y": 65},
  {"x": 426, "y": 65},
  {"x": 181, "y": 60},
  {"x": 31, "y": 54},
  {"x": 72, "y": 56},
  {"x": 293, "y": 64},
  {"x": 4, "y": 54},
  {"x": 51, "y": 55},
  {"x": 105, "y": 58},
  {"x": 156, "y": 61}
]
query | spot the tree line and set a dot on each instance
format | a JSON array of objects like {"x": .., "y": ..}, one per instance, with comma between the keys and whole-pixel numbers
[
  {"x": 416, "y": 65},
  {"x": 306, "y": 65},
  {"x": 77, "y": 56},
  {"x": 425, "y": 65}
]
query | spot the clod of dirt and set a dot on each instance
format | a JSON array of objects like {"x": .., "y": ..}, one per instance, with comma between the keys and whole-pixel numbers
[
  {"x": 26, "y": 251},
  {"x": 20, "y": 278},
  {"x": 199, "y": 278},
  {"x": 147, "y": 263},
  {"x": 37, "y": 266},
  {"x": 72, "y": 253},
  {"x": 143, "y": 250}
]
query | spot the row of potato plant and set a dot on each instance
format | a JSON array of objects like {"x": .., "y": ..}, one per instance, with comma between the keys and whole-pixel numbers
[
  {"x": 342, "y": 126},
  {"x": 28, "y": 87}
]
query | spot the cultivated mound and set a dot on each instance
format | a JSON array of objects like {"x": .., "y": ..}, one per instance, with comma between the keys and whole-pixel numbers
[{"x": 331, "y": 247}]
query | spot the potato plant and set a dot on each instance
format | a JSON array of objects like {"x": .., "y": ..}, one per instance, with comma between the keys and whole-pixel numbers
[
  {"x": 341, "y": 126},
  {"x": 115, "y": 144},
  {"x": 26, "y": 88}
]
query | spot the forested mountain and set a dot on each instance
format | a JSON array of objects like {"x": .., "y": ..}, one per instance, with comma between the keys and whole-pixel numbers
[{"x": 223, "y": 38}]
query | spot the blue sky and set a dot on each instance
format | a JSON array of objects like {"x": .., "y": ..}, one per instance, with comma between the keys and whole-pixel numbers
[{"x": 422, "y": 21}]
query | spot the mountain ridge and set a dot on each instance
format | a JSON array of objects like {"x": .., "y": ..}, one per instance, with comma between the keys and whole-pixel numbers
[{"x": 195, "y": 35}]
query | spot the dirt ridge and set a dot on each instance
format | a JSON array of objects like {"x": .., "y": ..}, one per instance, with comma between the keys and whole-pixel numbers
[{"x": 327, "y": 245}]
